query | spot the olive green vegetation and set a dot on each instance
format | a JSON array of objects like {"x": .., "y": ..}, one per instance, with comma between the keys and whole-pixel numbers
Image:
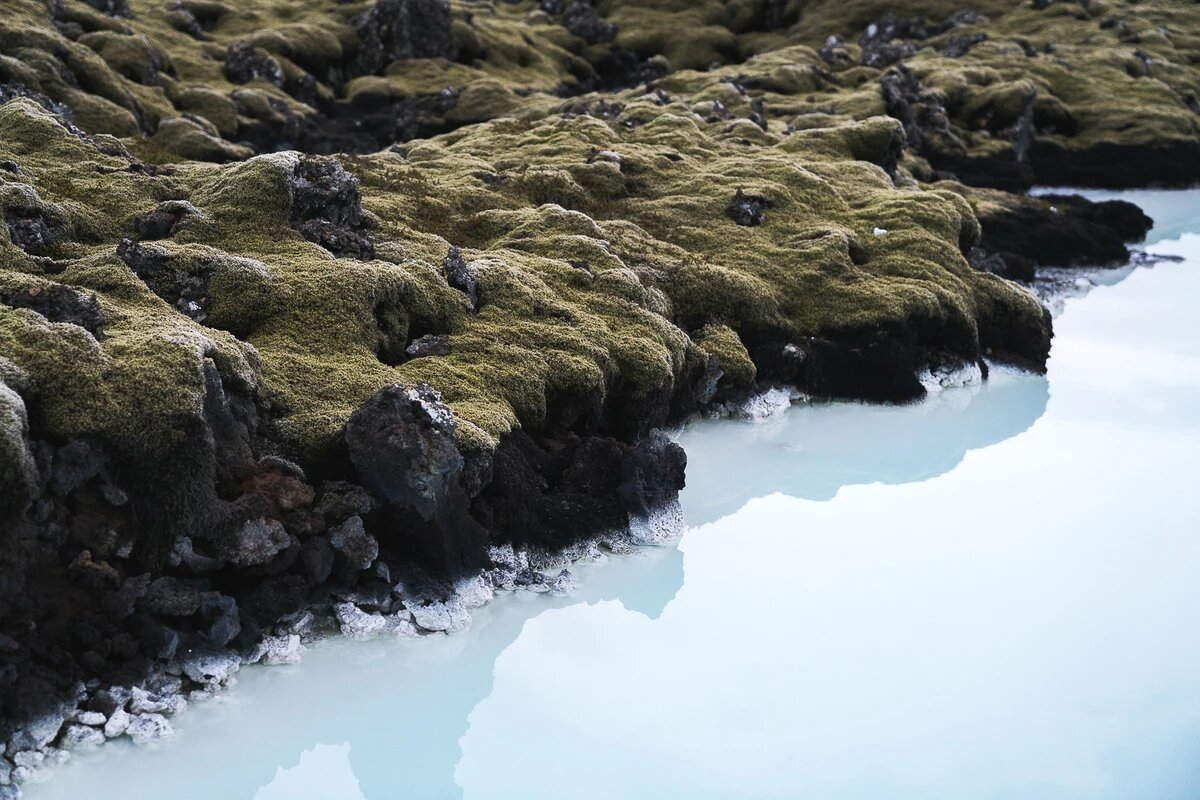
[{"x": 595, "y": 225}]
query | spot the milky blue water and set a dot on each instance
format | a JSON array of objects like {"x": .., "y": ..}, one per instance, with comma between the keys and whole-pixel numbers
[{"x": 992, "y": 594}]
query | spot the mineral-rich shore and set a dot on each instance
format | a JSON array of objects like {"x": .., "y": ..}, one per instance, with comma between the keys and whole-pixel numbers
[{"x": 348, "y": 310}]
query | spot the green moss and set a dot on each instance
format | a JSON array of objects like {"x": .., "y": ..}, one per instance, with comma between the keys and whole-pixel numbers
[
  {"x": 597, "y": 239},
  {"x": 723, "y": 342}
]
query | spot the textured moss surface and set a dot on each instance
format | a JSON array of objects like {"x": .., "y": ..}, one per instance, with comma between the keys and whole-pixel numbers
[{"x": 593, "y": 217}]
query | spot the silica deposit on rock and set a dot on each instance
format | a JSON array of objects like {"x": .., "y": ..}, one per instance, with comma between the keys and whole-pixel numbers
[{"x": 326, "y": 313}]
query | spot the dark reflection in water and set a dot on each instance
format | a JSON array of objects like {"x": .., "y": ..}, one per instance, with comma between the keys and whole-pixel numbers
[{"x": 828, "y": 446}]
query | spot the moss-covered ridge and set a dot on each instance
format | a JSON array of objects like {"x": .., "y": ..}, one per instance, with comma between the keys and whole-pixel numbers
[
  {"x": 599, "y": 248},
  {"x": 1067, "y": 88},
  {"x": 617, "y": 223}
]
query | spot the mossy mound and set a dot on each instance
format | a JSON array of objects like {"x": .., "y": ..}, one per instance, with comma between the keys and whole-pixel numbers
[
  {"x": 1011, "y": 84},
  {"x": 610, "y": 212}
]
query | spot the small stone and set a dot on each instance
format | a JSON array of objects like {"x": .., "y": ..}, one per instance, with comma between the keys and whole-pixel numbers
[
  {"x": 225, "y": 623},
  {"x": 171, "y": 597},
  {"x": 210, "y": 664},
  {"x": 30, "y": 759},
  {"x": 351, "y": 540},
  {"x": 450, "y": 617},
  {"x": 117, "y": 724},
  {"x": 459, "y": 276},
  {"x": 282, "y": 650},
  {"x": 143, "y": 702},
  {"x": 256, "y": 542},
  {"x": 340, "y": 500},
  {"x": 563, "y": 583},
  {"x": 429, "y": 345},
  {"x": 92, "y": 718},
  {"x": 358, "y": 624},
  {"x": 76, "y": 736},
  {"x": 299, "y": 623},
  {"x": 747, "y": 210},
  {"x": 147, "y": 727},
  {"x": 107, "y": 701}
]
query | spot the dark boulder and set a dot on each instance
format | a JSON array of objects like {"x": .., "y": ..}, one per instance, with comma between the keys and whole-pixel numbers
[
  {"x": 32, "y": 230},
  {"x": 170, "y": 597},
  {"x": 186, "y": 290},
  {"x": 1063, "y": 231},
  {"x": 429, "y": 345},
  {"x": 359, "y": 548},
  {"x": 316, "y": 558},
  {"x": 959, "y": 46},
  {"x": 59, "y": 303},
  {"x": 340, "y": 500},
  {"x": 557, "y": 491},
  {"x": 459, "y": 276},
  {"x": 327, "y": 208},
  {"x": 1011, "y": 265},
  {"x": 114, "y": 8},
  {"x": 880, "y": 370},
  {"x": 883, "y": 54},
  {"x": 393, "y": 30},
  {"x": 652, "y": 474},
  {"x": 583, "y": 20},
  {"x": 161, "y": 222},
  {"x": 245, "y": 63},
  {"x": 747, "y": 210},
  {"x": 401, "y": 443}
]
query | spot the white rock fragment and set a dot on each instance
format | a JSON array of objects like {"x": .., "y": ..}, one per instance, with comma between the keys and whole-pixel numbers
[
  {"x": 76, "y": 736},
  {"x": 143, "y": 702},
  {"x": 93, "y": 718},
  {"x": 660, "y": 527},
  {"x": 474, "y": 593},
  {"x": 358, "y": 624},
  {"x": 935, "y": 380},
  {"x": 56, "y": 756},
  {"x": 282, "y": 649},
  {"x": 210, "y": 665},
  {"x": 450, "y": 616},
  {"x": 145, "y": 728},
  {"x": 564, "y": 583},
  {"x": 764, "y": 406},
  {"x": 117, "y": 723}
]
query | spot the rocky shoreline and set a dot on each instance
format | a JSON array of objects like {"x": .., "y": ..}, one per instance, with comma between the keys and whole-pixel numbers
[{"x": 252, "y": 392}]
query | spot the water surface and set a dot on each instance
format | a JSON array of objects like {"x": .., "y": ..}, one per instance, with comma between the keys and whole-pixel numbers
[{"x": 992, "y": 594}]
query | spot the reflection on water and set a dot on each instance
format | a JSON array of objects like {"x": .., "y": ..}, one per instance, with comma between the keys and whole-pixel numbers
[
  {"x": 812, "y": 452},
  {"x": 990, "y": 594}
]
